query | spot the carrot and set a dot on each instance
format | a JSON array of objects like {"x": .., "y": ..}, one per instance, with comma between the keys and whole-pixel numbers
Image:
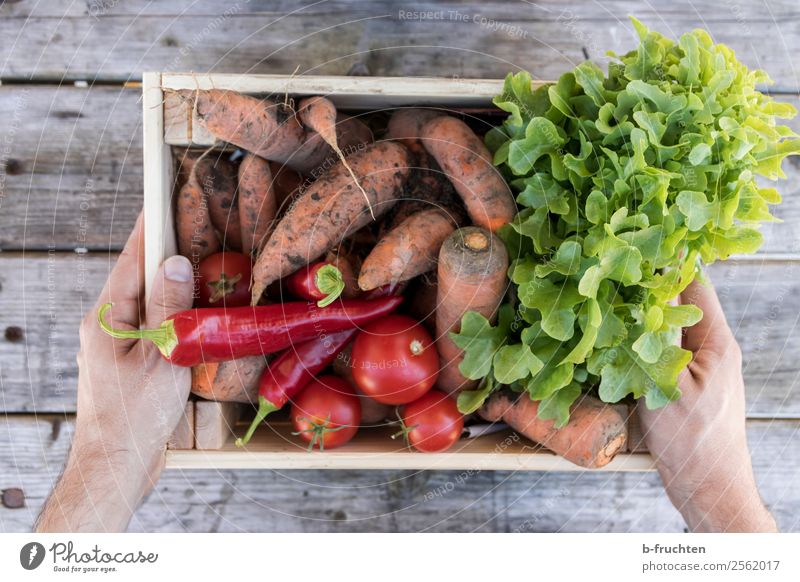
[
  {"x": 196, "y": 236},
  {"x": 218, "y": 180},
  {"x": 468, "y": 164},
  {"x": 408, "y": 250},
  {"x": 471, "y": 277},
  {"x": 595, "y": 434},
  {"x": 330, "y": 208},
  {"x": 257, "y": 201},
  {"x": 231, "y": 381}
]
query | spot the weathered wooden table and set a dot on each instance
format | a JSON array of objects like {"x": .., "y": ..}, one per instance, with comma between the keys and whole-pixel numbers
[{"x": 71, "y": 186}]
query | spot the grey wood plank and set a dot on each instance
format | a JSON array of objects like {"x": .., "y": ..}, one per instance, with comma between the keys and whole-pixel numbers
[
  {"x": 72, "y": 166},
  {"x": 73, "y": 170},
  {"x": 479, "y": 39},
  {"x": 43, "y": 297},
  {"x": 32, "y": 452}
]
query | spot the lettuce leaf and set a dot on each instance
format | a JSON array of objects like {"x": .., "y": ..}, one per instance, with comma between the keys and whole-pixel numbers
[{"x": 626, "y": 181}]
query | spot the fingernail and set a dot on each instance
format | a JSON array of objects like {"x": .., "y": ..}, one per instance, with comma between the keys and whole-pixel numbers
[{"x": 178, "y": 269}]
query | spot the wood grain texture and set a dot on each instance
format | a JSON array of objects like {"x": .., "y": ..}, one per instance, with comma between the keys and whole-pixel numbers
[
  {"x": 45, "y": 295},
  {"x": 73, "y": 178},
  {"x": 32, "y": 452},
  {"x": 465, "y": 39}
]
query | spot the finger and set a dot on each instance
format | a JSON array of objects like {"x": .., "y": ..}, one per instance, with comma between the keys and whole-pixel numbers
[
  {"x": 126, "y": 281},
  {"x": 172, "y": 290},
  {"x": 712, "y": 332}
]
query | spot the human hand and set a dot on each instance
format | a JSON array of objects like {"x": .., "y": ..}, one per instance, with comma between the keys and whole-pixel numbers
[
  {"x": 699, "y": 441},
  {"x": 129, "y": 400}
]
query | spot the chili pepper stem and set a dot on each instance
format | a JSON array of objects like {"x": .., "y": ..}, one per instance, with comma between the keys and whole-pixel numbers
[
  {"x": 265, "y": 408},
  {"x": 164, "y": 336},
  {"x": 329, "y": 281}
]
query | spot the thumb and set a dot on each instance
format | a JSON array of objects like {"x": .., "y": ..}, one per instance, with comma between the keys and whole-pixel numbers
[{"x": 171, "y": 292}]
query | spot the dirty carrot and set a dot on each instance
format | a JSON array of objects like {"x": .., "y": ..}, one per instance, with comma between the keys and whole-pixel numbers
[
  {"x": 215, "y": 334},
  {"x": 329, "y": 209},
  {"x": 595, "y": 434},
  {"x": 468, "y": 164},
  {"x": 471, "y": 277}
]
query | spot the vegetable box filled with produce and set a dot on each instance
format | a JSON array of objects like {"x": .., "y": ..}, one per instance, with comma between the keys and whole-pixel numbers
[{"x": 438, "y": 270}]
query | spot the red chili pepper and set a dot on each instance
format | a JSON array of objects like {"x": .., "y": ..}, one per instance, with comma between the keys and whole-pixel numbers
[
  {"x": 290, "y": 372},
  {"x": 321, "y": 282},
  {"x": 218, "y": 334}
]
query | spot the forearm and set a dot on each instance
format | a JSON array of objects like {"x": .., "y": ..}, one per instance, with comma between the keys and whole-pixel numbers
[
  {"x": 721, "y": 503},
  {"x": 98, "y": 491}
]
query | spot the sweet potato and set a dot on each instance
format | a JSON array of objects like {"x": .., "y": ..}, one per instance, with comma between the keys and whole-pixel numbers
[
  {"x": 408, "y": 250},
  {"x": 339, "y": 259},
  {"x": 285, "y": 183},
  {"x": 468, "y": 164},
  {"x": 330, "y": 208},
  {"x": 471, "y": 277},
  {"x": 196, "y": 237},
  {"x": 405, "y": 125},
  {"x": 218, "y": 179},
  {"x": 267, "y": 129},
  {"x": 257, "y": 201},
  {"x": 372, "y": 411},
  {"x": 421, "y": 304},
  {"x": 232, "y": 381},
  {"x": 596, "y": 431}
]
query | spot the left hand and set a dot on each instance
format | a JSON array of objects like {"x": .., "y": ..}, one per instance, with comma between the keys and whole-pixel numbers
[{"x": 129, "y": 399}]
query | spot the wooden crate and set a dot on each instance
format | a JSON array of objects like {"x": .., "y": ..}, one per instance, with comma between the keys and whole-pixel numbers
[{"x": 167, "y": 123}]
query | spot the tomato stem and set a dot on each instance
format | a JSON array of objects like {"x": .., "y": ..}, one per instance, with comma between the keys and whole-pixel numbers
[
  {"x": 404, "y": 430},
  {"x": 328, "y": 280},
  {"x": 416, "y": 347},
  {"x": 318, "y": 430},
  {"x": 164, "y": 336},
  {"x": 224, "y": 287},
  {"x": 265, "y": 407}
]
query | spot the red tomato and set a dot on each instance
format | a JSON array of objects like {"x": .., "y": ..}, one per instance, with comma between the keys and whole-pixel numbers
[
  {"x": 224, "y": 280},
  {"x": 327, "y": 413},
  {"x": 394, "y": 360},
  {"x": 432, "y": 423}
]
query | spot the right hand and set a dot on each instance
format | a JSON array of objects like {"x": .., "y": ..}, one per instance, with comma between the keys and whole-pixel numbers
[{"x": 699, "y": 442}]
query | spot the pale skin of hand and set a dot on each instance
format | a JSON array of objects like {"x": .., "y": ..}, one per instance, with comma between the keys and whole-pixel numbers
[
  {"x": 699, "y": 441},
  {"x": 129, "y": 400}
]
